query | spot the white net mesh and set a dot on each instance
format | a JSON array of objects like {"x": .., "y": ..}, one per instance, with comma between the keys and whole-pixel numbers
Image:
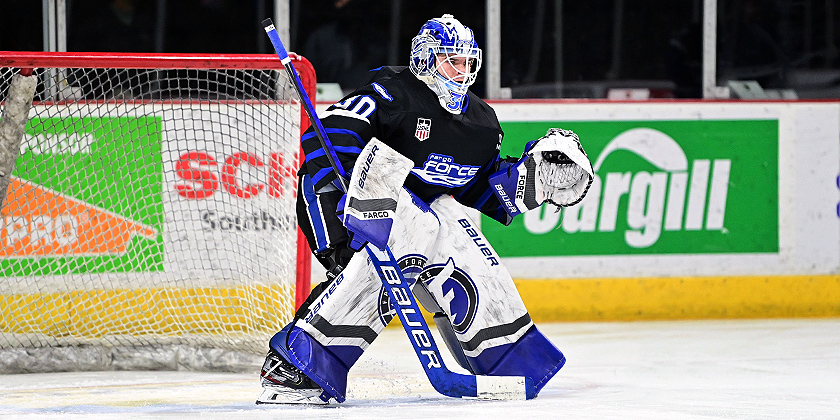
[{"x": 149, "y": 211}]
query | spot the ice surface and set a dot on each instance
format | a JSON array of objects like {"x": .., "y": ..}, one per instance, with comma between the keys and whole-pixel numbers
[{"x": 733, "y": 369}]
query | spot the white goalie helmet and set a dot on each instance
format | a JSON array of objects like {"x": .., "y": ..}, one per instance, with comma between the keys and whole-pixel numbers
[{"x": 446, "y": 57}]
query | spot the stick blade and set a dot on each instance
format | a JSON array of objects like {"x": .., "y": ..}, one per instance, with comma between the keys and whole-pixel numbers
[{"x": 505, "y": 388}]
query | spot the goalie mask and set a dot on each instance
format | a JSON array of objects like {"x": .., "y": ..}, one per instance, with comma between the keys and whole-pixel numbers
[{"x": 446, "y": 57}]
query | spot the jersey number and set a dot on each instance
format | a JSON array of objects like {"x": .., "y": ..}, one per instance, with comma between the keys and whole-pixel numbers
[{"x": 364, "y": 105}]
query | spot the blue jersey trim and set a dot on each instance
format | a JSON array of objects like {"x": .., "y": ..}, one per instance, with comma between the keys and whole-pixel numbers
[
  {"x": 321, "y": 174},
  {"x": 312, "y": 134},
  {"x": 341, "y": 149},
  {"x": 313, "y": 208}
]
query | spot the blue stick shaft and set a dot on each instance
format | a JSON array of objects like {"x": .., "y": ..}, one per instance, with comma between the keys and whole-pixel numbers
[{"x": 305, "y": 102}]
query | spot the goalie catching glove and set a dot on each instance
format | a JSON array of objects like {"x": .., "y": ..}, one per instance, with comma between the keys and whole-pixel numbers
[{"x": 554, "y": 169}]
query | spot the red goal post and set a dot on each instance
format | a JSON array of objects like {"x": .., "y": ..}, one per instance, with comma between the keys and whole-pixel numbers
[{"x": 170, "y": 178}]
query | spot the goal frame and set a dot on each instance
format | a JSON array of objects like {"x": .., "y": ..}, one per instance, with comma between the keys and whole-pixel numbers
[{"x": 27, "y": 61}]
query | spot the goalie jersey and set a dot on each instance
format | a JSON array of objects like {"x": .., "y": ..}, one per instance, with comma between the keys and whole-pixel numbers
[{"x": 452, "y": 153}]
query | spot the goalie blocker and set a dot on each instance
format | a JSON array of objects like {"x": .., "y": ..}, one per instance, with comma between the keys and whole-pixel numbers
[{"x": 553, "y": 169}]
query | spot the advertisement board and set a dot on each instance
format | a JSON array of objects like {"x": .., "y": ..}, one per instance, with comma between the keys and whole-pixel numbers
[
  {"x": 683, "y": 189},
  {"x": 145, "y": 195},
  {"x": 660, "y": 187},
  {"x": 86, "y": 198}
]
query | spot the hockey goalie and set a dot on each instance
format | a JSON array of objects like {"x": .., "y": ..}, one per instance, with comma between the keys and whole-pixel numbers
[{"x": 445, "y": 142}]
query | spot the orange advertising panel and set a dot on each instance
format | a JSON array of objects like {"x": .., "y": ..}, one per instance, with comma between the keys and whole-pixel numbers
[{"x": 42, "y": 222}]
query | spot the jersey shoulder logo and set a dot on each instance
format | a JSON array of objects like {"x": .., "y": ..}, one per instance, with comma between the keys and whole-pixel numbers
[
  {"x": 382, "y": 92},
  {"x": 424, "y": 128}
]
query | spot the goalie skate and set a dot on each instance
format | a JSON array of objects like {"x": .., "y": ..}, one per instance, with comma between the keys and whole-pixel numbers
[{"x": 283, "y": 383}]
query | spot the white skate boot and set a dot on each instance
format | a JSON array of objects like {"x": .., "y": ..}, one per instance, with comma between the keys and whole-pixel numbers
[{"x": 283, "y": 383}]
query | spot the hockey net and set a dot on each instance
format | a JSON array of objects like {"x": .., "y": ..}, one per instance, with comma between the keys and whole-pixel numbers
[{"x": 149, "y": 212}]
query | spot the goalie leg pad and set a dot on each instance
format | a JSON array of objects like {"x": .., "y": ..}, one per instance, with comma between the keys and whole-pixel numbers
[
  {"x": 440, "y": 246},
  {"x": 532, "y": 356},
  {"x": 284, "y": 383},
  {"x": 491, "y": 324}
]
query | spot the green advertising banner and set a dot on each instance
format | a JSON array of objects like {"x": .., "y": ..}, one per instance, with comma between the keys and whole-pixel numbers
[
  {"x": 661, "y": 187},
  {"x": 86, "y": 198}
]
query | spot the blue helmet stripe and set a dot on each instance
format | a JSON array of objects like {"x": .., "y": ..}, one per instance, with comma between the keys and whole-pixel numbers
[{"x": 446, "y": 35}]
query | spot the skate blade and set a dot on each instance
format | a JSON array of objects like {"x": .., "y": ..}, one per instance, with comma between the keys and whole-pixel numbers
[{"x": 292, "y": 396}]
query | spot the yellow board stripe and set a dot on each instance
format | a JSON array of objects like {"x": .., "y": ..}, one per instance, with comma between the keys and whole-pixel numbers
[
  {"x": 551, "y": 300},
  {"x": 612, "y": 299},
  {"x": 137, "y": 312},
  {"x": 92, "y": 314}
]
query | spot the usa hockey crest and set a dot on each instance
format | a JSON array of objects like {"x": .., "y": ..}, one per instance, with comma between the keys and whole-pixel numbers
[{"x": 424, "y": 127}]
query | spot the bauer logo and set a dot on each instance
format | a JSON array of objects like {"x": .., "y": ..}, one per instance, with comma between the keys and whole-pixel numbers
[
  {"x": 367, "y": 161},
  {"x": 411, "y": 265},
  {"x": 660, "y": 187}
]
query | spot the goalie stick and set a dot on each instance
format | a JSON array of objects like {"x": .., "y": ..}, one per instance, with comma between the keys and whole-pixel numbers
[{"x": 442, "y": 379}]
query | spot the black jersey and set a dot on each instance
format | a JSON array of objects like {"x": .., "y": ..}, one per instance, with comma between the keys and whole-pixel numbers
[{"x": 452, "y": 153}]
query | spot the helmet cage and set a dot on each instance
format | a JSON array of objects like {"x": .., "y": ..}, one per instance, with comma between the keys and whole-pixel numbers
[{"x": 455, "y": 77}]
